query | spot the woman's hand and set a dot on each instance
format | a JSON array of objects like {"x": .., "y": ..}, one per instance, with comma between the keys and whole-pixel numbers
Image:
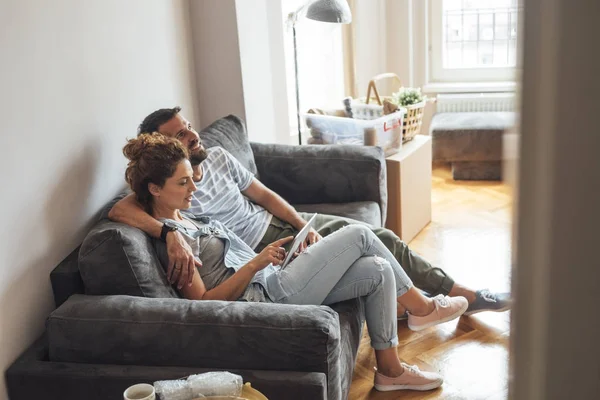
[
  {"x": 182, "y": 264},
  {"x": 272, "y": 254}
]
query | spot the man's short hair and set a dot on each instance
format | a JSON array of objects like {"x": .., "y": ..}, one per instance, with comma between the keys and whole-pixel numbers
[{"x": 152, "y": 122}]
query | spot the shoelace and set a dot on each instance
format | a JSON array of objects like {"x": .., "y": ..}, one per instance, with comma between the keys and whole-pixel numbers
[
  {"x": 488, "y": 296},
  {"x": 412, "y": 368},
  {"x": 442, "y": 300}
]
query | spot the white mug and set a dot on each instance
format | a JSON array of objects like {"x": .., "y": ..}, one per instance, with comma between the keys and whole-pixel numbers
[{"x": 141, "y": 391}]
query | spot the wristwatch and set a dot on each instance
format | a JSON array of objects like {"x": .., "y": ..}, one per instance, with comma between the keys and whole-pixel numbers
[{"x": 166, "y": 228}]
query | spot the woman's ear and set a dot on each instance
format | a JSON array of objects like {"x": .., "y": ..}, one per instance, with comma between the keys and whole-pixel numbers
[{"x": 154, "y": 189}]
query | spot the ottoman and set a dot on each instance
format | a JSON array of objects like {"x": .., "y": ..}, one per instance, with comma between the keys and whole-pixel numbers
[{"x": 471, "y": 142}]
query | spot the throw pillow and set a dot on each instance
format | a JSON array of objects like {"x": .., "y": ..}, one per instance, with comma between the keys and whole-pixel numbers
[{"x": 118, "y": 259}]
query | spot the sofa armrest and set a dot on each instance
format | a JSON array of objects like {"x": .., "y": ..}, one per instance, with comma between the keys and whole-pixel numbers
[
  {"x": 323, "y": 173},
  {"x": 130, "y": 330}
]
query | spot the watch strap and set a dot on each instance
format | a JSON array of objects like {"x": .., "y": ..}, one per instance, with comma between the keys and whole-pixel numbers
[{"x": 166, "y": 228}]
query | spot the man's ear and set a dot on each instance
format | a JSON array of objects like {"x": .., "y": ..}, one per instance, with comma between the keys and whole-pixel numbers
[{"x": 154, "y": 189}]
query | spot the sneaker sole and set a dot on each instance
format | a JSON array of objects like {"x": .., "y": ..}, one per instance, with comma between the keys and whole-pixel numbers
[
  {"x": 441, "y": 321},
  {"x": 467, "y": 313},
  {"x": 389, "y": 388}
]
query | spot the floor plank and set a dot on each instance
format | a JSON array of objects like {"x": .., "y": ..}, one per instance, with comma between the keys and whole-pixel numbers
[{"x": 469, "y": 237}]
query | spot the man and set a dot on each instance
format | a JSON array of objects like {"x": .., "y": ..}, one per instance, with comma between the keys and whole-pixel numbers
[{"x": 229, "y": 193}]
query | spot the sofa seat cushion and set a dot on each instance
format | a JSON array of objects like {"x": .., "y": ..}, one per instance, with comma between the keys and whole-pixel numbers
[
  {"x": 365, "y": 211},
  {"x": 230, "y": 133},
  {"x": 118, "y": 259},
  {"x": 469, "y": 136}
]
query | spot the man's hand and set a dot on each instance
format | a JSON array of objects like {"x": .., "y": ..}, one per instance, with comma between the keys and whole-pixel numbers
[
  {"x": 182, "y": 264},
  {"x": 312, "y": 238}
]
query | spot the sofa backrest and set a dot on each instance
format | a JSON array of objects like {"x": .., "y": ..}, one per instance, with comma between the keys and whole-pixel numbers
[{"x": 230, "y": 133}]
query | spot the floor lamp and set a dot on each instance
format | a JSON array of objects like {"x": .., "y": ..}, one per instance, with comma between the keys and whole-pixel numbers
[{"x": 331, "y": 11}]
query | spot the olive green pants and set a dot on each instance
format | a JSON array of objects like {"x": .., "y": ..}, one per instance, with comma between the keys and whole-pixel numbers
[{"x": 426, "y": 277}]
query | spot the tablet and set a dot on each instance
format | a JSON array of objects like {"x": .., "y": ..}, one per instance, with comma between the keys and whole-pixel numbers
[{"x": 300, "y": 237}]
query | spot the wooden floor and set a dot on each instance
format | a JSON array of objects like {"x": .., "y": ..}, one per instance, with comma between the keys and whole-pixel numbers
[{"x": 469, "y": 237}]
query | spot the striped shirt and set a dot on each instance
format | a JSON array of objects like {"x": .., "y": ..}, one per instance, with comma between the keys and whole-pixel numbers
[{"x": 219, "y": 196}]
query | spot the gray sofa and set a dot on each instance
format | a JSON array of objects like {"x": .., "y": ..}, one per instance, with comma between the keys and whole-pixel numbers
[{"x": 118, "y": 322}]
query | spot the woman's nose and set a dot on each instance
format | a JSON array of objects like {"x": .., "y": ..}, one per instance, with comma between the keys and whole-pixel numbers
[{"x": 193, "y": 187}]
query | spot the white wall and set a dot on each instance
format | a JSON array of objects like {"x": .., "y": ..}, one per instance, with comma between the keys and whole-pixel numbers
[
  {"x": 240, "y": 65},
  {"x": 77, "y": 77},
  {"x": 217, "y": 60},
  {"x": 262, "y": 61},
  {"x": 370, "y": 43}
]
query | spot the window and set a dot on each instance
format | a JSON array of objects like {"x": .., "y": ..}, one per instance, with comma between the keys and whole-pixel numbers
[{"x": 473, "y": 40}]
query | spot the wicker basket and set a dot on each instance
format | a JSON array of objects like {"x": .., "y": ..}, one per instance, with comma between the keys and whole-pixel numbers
[{"x": 414, "y": 114}]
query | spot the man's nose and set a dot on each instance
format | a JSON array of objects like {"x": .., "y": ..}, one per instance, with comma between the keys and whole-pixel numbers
[{"x": 192, "y": 140}]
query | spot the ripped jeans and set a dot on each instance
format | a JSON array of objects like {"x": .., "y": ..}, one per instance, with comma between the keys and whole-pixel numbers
[{"x": 347, "y": 264}]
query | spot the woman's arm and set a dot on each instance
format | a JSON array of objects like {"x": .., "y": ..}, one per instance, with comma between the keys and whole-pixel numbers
[
  {"x": 232, "y": 288},
  {"x": 130, "y": 212}
]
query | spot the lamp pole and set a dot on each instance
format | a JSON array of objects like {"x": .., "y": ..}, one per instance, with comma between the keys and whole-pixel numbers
[{"x": 297, "y": 85}]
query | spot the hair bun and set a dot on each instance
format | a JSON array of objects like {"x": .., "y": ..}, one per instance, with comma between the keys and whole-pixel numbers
[{"x": 135, "y": 148}]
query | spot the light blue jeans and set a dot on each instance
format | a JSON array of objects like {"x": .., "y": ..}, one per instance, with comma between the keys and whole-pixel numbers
[{"x": 347, "y": 264}]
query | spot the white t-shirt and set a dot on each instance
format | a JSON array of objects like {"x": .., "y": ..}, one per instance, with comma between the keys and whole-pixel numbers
[{"x": 219, "y": 196}]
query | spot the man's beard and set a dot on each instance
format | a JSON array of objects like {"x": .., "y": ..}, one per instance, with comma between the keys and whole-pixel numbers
[{"x": 198, "y": 155}]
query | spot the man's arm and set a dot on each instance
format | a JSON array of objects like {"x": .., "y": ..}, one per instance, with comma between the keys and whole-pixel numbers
[
  {"x": 182, "y": 264},
  {"x": 276, "y": 205},
  {"x": 129, "y": 211}
]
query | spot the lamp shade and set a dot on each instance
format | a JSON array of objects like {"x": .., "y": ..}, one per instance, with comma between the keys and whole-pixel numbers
[{"x": 334, "y": 11}]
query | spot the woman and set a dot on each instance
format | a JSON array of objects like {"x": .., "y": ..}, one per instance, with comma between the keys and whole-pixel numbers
[{"x": 347, "y": 264}]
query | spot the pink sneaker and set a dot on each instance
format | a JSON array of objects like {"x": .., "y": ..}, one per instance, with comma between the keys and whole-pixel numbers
[
  {"x": 446, "y": 309},
  {"x": 411, "y": 379}
]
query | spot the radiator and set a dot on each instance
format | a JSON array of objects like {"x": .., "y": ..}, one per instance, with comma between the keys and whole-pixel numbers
[{"x": 476, "y": 102}]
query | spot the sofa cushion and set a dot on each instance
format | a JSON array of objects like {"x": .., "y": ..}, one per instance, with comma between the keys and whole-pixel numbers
[
  {"x": 364, "y": 211},
  {"x": 230, "y": 133},
  {"x": 118, "y": 259}
]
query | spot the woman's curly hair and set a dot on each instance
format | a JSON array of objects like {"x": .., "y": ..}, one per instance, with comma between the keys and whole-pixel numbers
[{"x": 152, "y": 159}]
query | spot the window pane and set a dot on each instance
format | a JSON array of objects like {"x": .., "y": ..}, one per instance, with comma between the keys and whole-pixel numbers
[
  {"x": 486, "y": 26},
  {"x": 501, "y": 29},
  {"x": 454, "y": 28},
  {"x": 470, "y": 55},
  {"x": 479, "y": 33},
  {"x": 486, "y": 54},
  {"x": 500, "y": 53},
  {"x": 453, "y": 57},
  {"x": 470, "y": 27},
  {"x": 512, "y": 53},
  {"x": 513, "y": 25}
]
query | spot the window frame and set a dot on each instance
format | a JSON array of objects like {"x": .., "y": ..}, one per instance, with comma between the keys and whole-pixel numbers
[{"x": 439, "y": 74}]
